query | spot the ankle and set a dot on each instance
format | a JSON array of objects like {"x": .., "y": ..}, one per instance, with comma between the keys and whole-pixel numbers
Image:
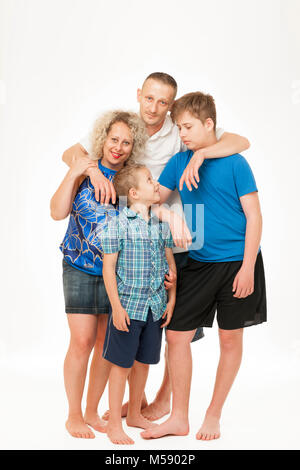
[
  {"x": 213, "y": 412},
  {"x": 75, "y": 415},
  {"x": 91, "y": 410},
  {"x": 163, "y": 397}
]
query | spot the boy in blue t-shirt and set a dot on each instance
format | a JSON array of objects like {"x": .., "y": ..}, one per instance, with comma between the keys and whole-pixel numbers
[{"x": 225, "y": 271}]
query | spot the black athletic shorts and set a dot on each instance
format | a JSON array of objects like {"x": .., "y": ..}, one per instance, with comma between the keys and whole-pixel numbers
[{"x": 204, "y": 288}]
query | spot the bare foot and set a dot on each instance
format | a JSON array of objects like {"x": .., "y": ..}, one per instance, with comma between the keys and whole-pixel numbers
[
  {"x": 123, "y": 411},
  {"x": 139, "y": 422},
  {"x": 94, "y": 420},
  {"x": 210, "y": 429},
  {"x": 156, "y": 410},
  {"x": 173, "y": 426},
  {"x": 117, "y": 435},
  {"x": 77, "y": 428}
]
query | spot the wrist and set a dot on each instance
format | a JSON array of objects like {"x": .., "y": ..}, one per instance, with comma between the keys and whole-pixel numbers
[
  {"x": 248, "y": 265},
  {"x": 90, "y": 171},
  {"x": 72, "y": 175},
  {"x": 116, "y": 306},
  {"x": 172, "y": 301},
  {"x": 201, "y": 153}
]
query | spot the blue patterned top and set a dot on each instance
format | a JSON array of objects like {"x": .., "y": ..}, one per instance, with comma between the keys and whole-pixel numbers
[
  {"x": 142, "y": 263},
  {"x": 81, "y": 246}
]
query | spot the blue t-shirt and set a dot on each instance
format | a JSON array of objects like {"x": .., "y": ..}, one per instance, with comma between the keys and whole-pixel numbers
[
  {"x": 222, "y": 182},
  {"x": 81, "y": 245}
]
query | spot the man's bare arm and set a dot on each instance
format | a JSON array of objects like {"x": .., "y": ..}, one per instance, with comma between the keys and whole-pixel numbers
[{"x": 180, "y": 232}]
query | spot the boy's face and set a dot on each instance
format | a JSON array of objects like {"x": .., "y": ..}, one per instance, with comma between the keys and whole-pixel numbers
[
  {"x": 155, "y": 100},
  {"x": 193, "y": 133},
  {"x": 147, "y": 191}
]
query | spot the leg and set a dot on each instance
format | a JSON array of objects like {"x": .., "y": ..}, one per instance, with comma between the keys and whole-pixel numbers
[
  {"x": 124, "y": 409},
  {"x": 83, "y": 329},
  {"x": 117, "y": 382},
  {"x": 180, "y": 363},
  {"x": 137, "y": 382},
  {"x": 161, "y": 404},
  {"x": 231, "y": 348},
  {"x": 99, "y": 373}
]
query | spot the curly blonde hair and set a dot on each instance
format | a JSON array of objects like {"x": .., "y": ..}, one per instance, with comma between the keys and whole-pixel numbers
[{"x": 103, "y": 125}]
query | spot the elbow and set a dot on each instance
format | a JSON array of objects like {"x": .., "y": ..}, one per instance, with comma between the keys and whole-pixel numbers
[
  {"x": 55, "y": 216},
  {"x": 246, "y": 143},
  {"x": 65, "y": 156}
]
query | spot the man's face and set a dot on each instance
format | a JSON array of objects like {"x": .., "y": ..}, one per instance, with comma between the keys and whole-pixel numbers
[
  {"x": 192, "y": 132},
  {"x": 155, "y": 100}
]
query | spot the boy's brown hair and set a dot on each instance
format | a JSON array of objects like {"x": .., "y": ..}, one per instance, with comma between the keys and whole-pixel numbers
[
  {"x": 199, "y": 104},
  {"x": 127, "y": 178}
]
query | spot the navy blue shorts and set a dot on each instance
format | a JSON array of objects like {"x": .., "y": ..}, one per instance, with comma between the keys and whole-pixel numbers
[
  {"x": 142, "y": 343},
  {"x": 84, "y": 293}
]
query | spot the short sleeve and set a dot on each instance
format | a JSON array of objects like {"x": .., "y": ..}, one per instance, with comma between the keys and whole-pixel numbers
[
  {"x": 86, "y": 143},
  {"x": 110, "y": 236},
  {"x": 219, "y": 132},
  {"x": 168, "y": 175},
  {"x": 167, "y": 236},
  {"x": 244, "y": 178}
]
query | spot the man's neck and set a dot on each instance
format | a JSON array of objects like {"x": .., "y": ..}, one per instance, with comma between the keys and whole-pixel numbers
[
  {"x": 142, "y": 209},
  {"x": 151, "y": 130}
]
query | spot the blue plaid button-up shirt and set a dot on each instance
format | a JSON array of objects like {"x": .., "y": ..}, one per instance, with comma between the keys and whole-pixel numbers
[{"x": 142, "y": 263}]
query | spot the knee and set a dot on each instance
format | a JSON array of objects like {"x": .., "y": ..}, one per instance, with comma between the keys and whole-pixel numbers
[
  {"x": 82, "y": 345},
  {"x": 230, "y": 341},
  {"x": 177, "y": 338}
]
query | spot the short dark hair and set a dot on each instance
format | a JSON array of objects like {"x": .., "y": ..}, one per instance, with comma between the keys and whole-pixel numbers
[
  {"x": 199, "y": 104},
  {"x": 164, "y": 78}
]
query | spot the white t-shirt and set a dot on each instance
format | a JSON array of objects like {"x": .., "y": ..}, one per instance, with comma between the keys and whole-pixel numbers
[{"x": 160, "y": 147}]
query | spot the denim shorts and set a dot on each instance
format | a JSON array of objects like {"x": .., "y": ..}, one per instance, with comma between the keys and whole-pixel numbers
[{"x": 84, "y": 293}]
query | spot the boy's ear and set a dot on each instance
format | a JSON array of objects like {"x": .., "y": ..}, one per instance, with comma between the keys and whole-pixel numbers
[
  {"x": 209, "y": 124},
  {"x": 132, "y": 193}
]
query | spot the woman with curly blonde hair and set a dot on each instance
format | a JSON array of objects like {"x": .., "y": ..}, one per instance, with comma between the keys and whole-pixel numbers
[{"x": 118, "y": 137}]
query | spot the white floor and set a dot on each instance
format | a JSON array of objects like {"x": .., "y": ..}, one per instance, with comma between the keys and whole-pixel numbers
[{"x": 262, "y": 411}]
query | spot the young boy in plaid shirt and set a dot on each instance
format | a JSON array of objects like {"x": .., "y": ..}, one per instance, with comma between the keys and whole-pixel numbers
[{"x": 137, "y": 254}]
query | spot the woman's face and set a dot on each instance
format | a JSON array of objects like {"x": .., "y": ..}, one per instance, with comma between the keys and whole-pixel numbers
[{"x": 117, "y": 147}]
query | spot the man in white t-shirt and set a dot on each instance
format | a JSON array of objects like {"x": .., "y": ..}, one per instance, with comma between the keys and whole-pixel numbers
[{"x": 155, "y": 101}]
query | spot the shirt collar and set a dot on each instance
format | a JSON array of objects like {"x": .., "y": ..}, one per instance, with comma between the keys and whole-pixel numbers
[
  {"x": 130, "y": 214},
  {"x": 165, "y": 129},
  {"x": 104, "y": 168}
]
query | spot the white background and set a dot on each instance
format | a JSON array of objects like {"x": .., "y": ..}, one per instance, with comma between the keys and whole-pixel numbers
[{"x": 63, "y": 63}]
